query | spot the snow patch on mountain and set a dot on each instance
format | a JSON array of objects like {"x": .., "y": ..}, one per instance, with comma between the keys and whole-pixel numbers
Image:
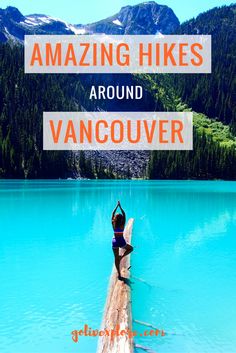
[
  {"x": 77, "y": 30},
  {"x": 36, "y": 20},
  {"x": 9, "y": 35},
  {"x": 45, "y": 19},
  {"x": 117, "y": 22},
  {"x": 159, "y": 35},
  {"x": 41, "y": 20},
  {"x": 29, "y": 22}
]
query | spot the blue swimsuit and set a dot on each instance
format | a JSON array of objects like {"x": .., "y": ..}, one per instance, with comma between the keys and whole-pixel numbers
[{"x": 119, "y": 241}]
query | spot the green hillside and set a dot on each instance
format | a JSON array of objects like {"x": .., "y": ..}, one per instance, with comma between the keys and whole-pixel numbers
[
  {"x": 214, "y": 153},
  {"x": 213, "y": 94}
]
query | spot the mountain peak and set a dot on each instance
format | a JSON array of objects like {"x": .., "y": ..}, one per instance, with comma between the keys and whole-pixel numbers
[
  {"x": 14, "y": 14},
  {"x": 146, "y": 3},
  {"x": 144, "y": 18},
  {"x": 150, "y": 17}
]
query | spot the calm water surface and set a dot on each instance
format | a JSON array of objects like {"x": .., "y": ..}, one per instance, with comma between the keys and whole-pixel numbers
[{"x": 56, "y": 258}]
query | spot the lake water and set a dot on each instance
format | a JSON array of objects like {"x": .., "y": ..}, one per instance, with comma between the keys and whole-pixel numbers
[{"x": 55, "y": 260}]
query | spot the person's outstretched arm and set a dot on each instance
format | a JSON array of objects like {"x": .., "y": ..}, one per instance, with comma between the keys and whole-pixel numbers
[
  {"x": 114, "y": 211},
  {"x": 122, "y": 211}
]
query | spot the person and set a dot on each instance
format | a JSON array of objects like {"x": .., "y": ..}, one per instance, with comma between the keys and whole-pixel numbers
[{"x": 118, "y": 223}]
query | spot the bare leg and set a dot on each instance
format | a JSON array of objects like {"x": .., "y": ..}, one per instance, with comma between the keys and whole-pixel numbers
[
  {"x": 128, "y": 249},
  {"x": 117, "y": 260}
]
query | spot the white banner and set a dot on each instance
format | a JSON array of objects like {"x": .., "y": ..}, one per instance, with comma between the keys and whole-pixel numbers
[
  {"x": 118, "y": 54},
  {"x": 117, "y": 131}
]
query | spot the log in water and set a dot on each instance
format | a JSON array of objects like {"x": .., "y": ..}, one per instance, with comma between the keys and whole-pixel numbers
[{"x": 117, "y": 313}]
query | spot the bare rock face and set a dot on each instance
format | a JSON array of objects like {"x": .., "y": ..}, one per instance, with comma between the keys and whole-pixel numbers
[
  {"x": 127, "y": 164},
  {"x": 145, "y": 18}
]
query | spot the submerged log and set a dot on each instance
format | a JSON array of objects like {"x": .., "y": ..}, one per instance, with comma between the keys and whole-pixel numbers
[{"x": 117, "y": 313}]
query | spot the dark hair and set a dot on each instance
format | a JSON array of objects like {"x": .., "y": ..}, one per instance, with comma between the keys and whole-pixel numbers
[{"x": 118, "y": 220}]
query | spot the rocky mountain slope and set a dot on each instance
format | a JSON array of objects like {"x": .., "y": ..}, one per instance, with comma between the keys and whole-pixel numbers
[
  {"x": 13, "y": 25},
  {"x": 145, "y": 18}
]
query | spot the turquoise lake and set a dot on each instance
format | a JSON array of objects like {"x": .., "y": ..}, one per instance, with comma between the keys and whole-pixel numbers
[{"x": 56, "y": 260}]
